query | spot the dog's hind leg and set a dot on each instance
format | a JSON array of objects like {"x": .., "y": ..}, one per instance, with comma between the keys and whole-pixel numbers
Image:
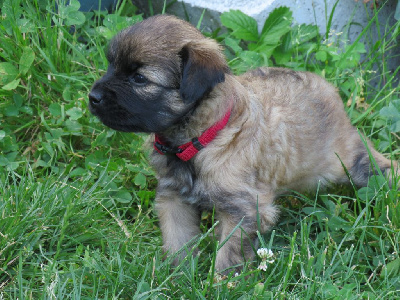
[{"x": 179, "y": 223}]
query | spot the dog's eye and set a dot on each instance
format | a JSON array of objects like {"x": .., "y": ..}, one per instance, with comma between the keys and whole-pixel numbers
[{"x": 138, "y": 78}]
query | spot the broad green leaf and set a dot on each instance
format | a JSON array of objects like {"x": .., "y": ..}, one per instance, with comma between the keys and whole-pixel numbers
[
  {"x": 259, "y": 289},
  {"x": 282, "y": 58},
  {"x": 73, "y": 127},
  {"x": 140, "y": 180},
  {"x": 8, "y": 72},
  {"x": 305, "y": 33},
  {"x": 75, "y": 18},
  {"x": 67, "y": 93},
  {"x": 247, "y": 60},
  {"x": 95, "y": 159},
  {"x": 71, "y": 14},
  {"x": 10, "y": 13},
  {"x": 12, "y": 165},
  {"x": 123, "y": 196},
  {"x": 11, "y": 85},
  {"x": 392, "y": 111},
  {"x": 74, "y": 113},
  {"x": 393, "y": 269},
  {"x": 12, "y": 156},
  {"x": 116, "y": 23},
  {"x": 128, "y": 9},
  {"x": 321, "y": 55},
  {"x": 56, "y": 133},
  {"x": 10, "y": 10},
  {"x": 26, "y": 60},
  {"x": 233, "y": 44},
  {"x": 243, "y": 26},
  {"x": 276, "y": 25},
  {"x": 360, "y": 48},
  {"x": 253, "y": 59},
  {"x": 336, "y": 223},
  {"x": 48, "y": 147},
  {"x": 2, "y": 134},
  {"x": 263, "y": 49},
  {"x": 395, "y": 127},
  {"x": 3, "y": 161},
  {"x": 101, "y": 139},
  {"x": 18, "y": 100},
  {"x": 55, "y": 109},
  {"x": 25, "y": 25},
  {"x": 105, "y": 32},
  {"x": 347, "y": 291},
  {"x": 11, "y": 111},
  {"x": 299, "y": 38},
  {"x": 78, "y": 172},
  {"x": 26, "y": 109},
  {"x": 73, "y": 5}
]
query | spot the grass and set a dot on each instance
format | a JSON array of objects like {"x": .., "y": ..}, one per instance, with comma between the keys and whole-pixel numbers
[{"x": 76, "y": 198}]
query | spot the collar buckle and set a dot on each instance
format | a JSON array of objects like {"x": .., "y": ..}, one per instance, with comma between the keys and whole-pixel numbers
[{"x": 167, "y": 150}]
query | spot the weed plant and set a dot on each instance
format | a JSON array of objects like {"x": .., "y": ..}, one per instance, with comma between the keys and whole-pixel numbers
[{"x": 76, "y": 198}]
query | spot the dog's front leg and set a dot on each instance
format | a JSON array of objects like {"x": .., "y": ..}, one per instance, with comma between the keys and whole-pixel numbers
[
  {"x": 237, "y": 242},
  {"x": 179, "y": 222},
  {"x": 239, "y": 220}
]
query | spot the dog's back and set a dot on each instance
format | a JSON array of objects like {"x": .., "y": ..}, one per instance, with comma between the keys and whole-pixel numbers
[{"x": 309, "y": 137}]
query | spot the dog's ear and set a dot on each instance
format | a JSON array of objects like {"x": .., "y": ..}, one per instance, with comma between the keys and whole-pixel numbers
[{"x": 203, "y": 66}]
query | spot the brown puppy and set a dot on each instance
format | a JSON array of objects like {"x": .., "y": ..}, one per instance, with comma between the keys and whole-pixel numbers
[{"x": 253, "y": 136}]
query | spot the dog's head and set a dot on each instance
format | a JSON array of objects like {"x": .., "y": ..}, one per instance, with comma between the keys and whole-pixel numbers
[{"x": 159, "y": 70}]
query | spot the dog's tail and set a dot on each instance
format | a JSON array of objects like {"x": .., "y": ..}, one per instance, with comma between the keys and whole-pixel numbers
[{"x": 368, "y": 162}]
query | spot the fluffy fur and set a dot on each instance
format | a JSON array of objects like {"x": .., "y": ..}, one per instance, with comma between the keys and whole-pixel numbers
[{"x": 287, "y": 131}]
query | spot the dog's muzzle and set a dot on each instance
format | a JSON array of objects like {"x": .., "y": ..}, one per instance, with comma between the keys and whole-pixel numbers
[{"x": 95, "y": 98}]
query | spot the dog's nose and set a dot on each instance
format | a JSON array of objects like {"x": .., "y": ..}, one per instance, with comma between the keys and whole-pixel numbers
[{"x": 95, "y": 97}]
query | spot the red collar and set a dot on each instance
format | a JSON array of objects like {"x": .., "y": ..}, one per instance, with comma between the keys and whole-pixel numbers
[{"x": 190, "y": 149}]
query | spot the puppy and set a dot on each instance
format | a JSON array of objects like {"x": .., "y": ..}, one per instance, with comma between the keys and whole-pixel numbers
[{"x": 223, "y": 142}]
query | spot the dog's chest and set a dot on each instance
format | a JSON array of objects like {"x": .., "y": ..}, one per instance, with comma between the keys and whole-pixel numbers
[{"x": 184, "y": 179}]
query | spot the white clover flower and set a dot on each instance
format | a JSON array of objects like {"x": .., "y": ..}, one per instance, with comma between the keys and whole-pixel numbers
[
  {"x": 267, "y": 257},
  {"x": 265, "y": 253},
  {"x": 263, "y": 266}
]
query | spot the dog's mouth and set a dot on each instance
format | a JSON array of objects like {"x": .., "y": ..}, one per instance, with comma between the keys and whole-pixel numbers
[
  {"x": 124, "y": 121},
  {"x": 114, "y": 118},
  {"x": 122, "y": 125}
]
